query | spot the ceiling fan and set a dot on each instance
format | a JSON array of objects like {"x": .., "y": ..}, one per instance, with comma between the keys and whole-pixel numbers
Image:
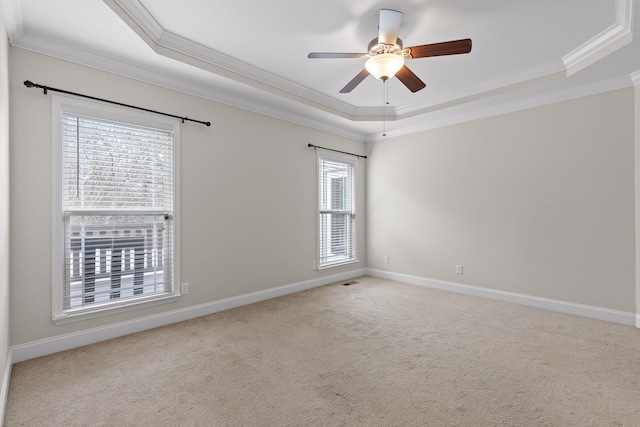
[{"x": 387, "y": 55}]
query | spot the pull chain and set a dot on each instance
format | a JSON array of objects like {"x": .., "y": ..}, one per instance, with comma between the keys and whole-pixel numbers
[{"x": 385, "y": 97}]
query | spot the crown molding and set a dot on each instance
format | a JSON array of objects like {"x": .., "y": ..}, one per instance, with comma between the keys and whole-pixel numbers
[
  {"x": 181, "y": 49},
  {"x": 606, "y": 42},
  {"x": 125, "y": 69},
  {"x": 142, "y": 17},
  {"x": 280, "y": 91},
  {"x": 12, "y": 10},
  {"x": 179, "y": 44},
  {"x": 173, "y": 46},
  {"x": 520, "y": 80},
  {"x": 497, "y": 108}
]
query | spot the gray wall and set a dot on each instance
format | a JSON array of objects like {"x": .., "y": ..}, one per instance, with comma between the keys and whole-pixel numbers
[
  {"x": 4, "y": 201},
  {"x": 248, "y": 193},
  {"x": 538, "y": 202}
]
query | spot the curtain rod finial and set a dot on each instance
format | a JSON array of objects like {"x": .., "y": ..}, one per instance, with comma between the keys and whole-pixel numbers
[{"x": 29, "y": 83}]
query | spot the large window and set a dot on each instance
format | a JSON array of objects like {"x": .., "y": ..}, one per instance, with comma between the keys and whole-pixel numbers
[
  {"x": 337, "y": 209},
  {"x": 115, "y": 209}
]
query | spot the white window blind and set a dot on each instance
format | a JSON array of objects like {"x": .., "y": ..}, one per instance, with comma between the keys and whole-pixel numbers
[
  {"x": 117, "y": 209},
  {"x": 337, "y": 210}
]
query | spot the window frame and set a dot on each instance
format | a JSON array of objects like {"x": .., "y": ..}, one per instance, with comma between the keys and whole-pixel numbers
[
  {"x": 60, "y": 105},
  {"x": 353, "y": 162}
]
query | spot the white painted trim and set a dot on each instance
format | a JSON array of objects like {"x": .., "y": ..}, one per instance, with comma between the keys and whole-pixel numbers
[
  {"x": 635, "y": 77},
  {"x": 13, "y": 19},
  {"x": 270, "y": 111},
  {"x": 116, "y": 66},
  {"x": 521, "y": 79},
  {"x": 496, "y": 109},
  {"x": 606, "y": 42},
  {"x": 187, "y": 51},
  {"x": 56, "y": 344},
  {"x": 4, "y": 391},
  {"x": 615, "y": 316},
  {"x": 181, "y": 49},
  {"x": 63, "y": 104},
  {"x": 155, "y": 34},
  {"x": 142, "y": 17}
]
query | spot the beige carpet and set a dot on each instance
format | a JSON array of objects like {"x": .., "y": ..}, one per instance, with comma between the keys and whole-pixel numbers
[{"x": 376, "y": 353}]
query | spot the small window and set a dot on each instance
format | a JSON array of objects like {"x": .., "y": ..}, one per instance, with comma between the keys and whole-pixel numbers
[
  {"x": 337, "y": 210},
  {"x": 116, "y": 209}
]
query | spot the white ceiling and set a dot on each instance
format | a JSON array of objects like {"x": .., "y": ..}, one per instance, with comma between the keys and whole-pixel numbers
[{"x": 253, "y": 54}]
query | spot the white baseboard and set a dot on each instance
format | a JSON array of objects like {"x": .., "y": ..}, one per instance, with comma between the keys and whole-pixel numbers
[
  {"x": 625, "y": 318},
  {"x": 56, "y": 344},
  {"x": 4, "y": 391},
  {"x": 22, "y": 352}
]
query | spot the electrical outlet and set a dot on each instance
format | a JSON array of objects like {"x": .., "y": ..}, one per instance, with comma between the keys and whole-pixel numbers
[
  {"x": 386, "y": 259},
  {"x": 458, "y": 269},
  {"x": 184, "y": 288},
  {"x": 314, "y": 265}
]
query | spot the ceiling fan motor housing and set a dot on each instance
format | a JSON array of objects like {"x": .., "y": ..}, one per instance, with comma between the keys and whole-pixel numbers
[{"x": 376, "y": 48}]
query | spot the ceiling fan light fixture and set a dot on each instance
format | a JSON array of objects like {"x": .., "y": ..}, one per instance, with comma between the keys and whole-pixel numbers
[{"x": 384, "y": 65}]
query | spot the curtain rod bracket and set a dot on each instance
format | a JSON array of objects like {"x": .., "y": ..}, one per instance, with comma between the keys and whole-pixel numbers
[{"x": 29, "y": 83}]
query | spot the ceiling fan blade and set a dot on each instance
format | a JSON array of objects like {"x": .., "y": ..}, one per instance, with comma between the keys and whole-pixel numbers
[
  {"x": 355, "y": 81},
  {"x": 389, "y": 26},
  {"x": 409, "y": 79},
  {"x": 325, "y": 55},
  {"x": 453, "y": 47}
]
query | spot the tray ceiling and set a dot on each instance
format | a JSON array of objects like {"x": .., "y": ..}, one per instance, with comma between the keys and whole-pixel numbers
[{"x": 253, "y": 54}]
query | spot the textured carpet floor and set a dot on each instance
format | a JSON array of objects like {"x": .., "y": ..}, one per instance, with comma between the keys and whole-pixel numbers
[{"x": 376, "y": 353}]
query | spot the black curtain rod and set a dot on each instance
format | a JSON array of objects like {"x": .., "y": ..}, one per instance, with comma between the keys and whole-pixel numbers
[
  {"x": 29, "y": 83},
  {"x": 337, "y": 151}
]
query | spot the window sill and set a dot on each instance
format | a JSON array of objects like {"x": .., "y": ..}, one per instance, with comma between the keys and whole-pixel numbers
[
  {"x": 337, "y": 264},
  {"x": 91, "y": 313}
]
